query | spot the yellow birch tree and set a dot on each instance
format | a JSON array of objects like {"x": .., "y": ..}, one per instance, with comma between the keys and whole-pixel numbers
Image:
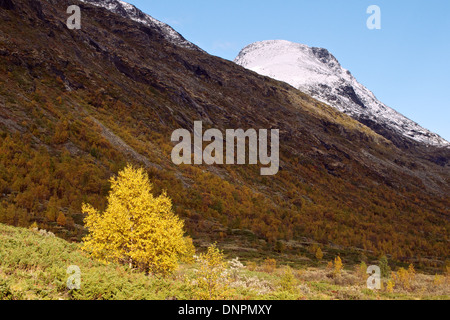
[{"x": 136, "y": 228}]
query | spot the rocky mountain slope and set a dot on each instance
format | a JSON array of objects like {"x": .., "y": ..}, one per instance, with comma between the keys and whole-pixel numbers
[
  {"x": 318, "y": 73},
  {"x": 77, "y": 105},
  {"x": 129, "y": 11}
]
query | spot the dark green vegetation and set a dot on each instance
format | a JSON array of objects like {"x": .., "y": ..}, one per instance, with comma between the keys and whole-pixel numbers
[
  {"x": 35, "y": 267},
  {"x": 76, "y": 106}
]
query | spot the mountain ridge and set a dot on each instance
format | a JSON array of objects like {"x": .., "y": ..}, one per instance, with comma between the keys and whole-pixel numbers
[
  {"x": 130, "y": 11},
  {"x": 318, "y": 73}
]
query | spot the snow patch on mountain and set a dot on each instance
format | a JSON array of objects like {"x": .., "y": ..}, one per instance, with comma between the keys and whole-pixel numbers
[
  {"x": 318, "y": 73},
  {"x": 129, "y": 11}
]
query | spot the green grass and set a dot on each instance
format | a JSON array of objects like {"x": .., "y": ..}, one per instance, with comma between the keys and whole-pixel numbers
[{"x": 33, "y": 267}]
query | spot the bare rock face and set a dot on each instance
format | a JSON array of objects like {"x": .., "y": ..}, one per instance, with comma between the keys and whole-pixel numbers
[
  {"x": 129, "y": 11},
  {"x": 7, "y": 4}
]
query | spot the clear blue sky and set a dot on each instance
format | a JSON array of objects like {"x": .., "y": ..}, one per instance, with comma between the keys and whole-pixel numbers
[{"x": 406, "y": 63}]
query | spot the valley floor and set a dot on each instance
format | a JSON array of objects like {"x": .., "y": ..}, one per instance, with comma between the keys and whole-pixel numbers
[{"x": 33, "y": 265}]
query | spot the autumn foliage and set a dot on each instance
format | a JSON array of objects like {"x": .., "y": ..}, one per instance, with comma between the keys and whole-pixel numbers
[
  {"x": 55, "y": 155},
  {"x": 212, "y": 278},
  {"x": 136, "y": 228}
]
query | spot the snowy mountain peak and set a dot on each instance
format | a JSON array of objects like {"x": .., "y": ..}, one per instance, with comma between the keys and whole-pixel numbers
[
  {"x": 129, "y": 11},
  {"x": 318, "y": 73}
]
